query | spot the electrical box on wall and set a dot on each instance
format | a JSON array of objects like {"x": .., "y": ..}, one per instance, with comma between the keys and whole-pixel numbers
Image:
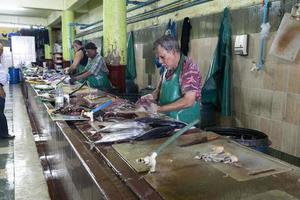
[{"x": 241, "y": 45}]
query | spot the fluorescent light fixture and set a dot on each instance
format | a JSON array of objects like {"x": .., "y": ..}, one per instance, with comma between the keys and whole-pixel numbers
[
  {"x": 37, "y": 27},
  {"x": 11, "y": 8},
  {"x": 9, "y": 25}
]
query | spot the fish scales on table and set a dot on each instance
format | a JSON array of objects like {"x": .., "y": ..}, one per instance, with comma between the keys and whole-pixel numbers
[
  {"x": 118, "y": 116},
  {"x": 120, "y": 105}
]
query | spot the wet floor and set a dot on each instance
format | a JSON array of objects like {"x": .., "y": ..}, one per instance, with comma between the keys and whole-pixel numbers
[{"x": 21, "y": 175}]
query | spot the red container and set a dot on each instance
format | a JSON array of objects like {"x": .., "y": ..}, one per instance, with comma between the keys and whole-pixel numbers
[{"x": 117, "y": 76}]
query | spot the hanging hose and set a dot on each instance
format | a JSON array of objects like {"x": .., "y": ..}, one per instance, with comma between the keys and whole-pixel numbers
[
  {"x": 265, "y": 29},
  {"x": 151, "y": 160}
]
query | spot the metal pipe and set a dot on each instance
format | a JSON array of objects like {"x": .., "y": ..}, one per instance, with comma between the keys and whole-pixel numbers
[
  {"x": 72, "y": 24},
  {"x": 159, "y": 13},
  {"x": 145, "y": 16},
  {"x": 89, "y": 25},
  {"x": 142, "y": 5},
  {"x": 162, "y": 8},
  {"x": 84, "y": 26}
]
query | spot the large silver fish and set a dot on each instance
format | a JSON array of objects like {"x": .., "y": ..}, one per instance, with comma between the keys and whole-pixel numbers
[
  {"x": 123, "y": 126},
  {"x": 124, "y": 135}
]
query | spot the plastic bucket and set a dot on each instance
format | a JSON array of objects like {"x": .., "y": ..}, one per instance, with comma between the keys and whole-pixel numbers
[
  {"x": 14, "y": 75},
  {"x": 208, "y": 115},
  {"x": 248, "y": 137}
]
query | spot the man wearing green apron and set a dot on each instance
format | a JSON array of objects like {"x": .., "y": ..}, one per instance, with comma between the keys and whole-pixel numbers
[
  {"x": 95, "y": 72},
  {"x": 80, "y": 59},
  {"x": 179, "y": 91}
]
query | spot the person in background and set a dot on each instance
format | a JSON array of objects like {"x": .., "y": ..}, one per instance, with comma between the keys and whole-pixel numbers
[
  {"x": 179, "y": 91},
  {"x": 96, "y": 72},
  {"x": 80, "y": 59},
  {"x": 3, "y": 121}
]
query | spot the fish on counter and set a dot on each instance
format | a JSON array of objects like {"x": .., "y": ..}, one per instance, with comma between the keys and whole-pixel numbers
[
  {"x": 120, "y": 105},
  {"x": 118, "y": 116},
  {"x": 124, "y": 126},
  {"x": 138, "y": 129},
  {"x": 35, "y": 80},
  {"x": 157, "y": 132},
  {"x": 43, "y": 87},
  {"x": 70, "y": 110},
  {"x": 157, "y": 122},
  {"x": 123, "y": 135},
  {"x": 52, "y": 76},
  {"x": 47, "y": 97}
]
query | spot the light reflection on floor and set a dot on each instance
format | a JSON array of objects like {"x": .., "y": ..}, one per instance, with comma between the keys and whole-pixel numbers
[
  {"x": 20, "y": 168},
  {"x": 7, "y": 176}
]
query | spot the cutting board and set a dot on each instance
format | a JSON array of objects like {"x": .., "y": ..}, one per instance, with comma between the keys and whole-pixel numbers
[
  {"x": 60, "y": 117},
  {"x": 176, "y": 157},
  {"x": 67, "y": 88}
]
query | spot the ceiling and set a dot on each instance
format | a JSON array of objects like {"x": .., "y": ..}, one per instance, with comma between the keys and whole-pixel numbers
[
  {"x": 14, "y": 8},
  {"x": 27, "y": 12}
]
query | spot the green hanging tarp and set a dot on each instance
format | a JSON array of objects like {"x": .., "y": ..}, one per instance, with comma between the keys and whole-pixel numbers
[
  {"x": 102, "y": 50},
  {"x": 130, "y": 69},
  {"x": 217, "y": 87}
]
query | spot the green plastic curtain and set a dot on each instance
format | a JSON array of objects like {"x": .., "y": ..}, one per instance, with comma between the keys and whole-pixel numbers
[
  {"x": 131, "y": 68},
  {"x": 217, "y": 87}
]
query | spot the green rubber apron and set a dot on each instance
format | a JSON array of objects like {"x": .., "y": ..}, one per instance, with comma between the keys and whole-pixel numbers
[
  {"x": 80, "y": 69},
  {"x": 99, "y": 81},
  {"x": 170, "y": 92}
]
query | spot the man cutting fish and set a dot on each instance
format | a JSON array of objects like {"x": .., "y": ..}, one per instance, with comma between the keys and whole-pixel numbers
[
  {"x": 95, "y": 72},
  {"x": 179, "y": 91}
]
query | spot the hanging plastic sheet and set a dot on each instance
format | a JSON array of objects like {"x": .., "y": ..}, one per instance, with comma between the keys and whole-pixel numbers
[
  {"x": 217, "y": 87},
  {"x": 131, "y": 67}
]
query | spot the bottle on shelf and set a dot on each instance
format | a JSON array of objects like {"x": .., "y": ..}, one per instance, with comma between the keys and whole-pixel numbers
[{"x": 59, "y": 97}]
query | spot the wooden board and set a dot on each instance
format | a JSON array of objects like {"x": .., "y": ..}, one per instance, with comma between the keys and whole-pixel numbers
[
  {"x": 272, "y": 195},
  {"x": 251, "y": 161},
  {"x": 60, "y": 117}
]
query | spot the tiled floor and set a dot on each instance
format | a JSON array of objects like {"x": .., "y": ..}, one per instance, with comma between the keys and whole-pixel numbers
[{"x": 21, "y": 175}]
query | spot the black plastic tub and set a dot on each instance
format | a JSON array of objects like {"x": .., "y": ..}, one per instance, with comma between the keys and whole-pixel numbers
[
  {"x": 248, "y": 137},
  {"x": 208, "y": 115}
]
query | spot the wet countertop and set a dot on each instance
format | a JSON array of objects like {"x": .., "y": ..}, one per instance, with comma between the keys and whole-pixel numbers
[{"x": 180, "y": 176}]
